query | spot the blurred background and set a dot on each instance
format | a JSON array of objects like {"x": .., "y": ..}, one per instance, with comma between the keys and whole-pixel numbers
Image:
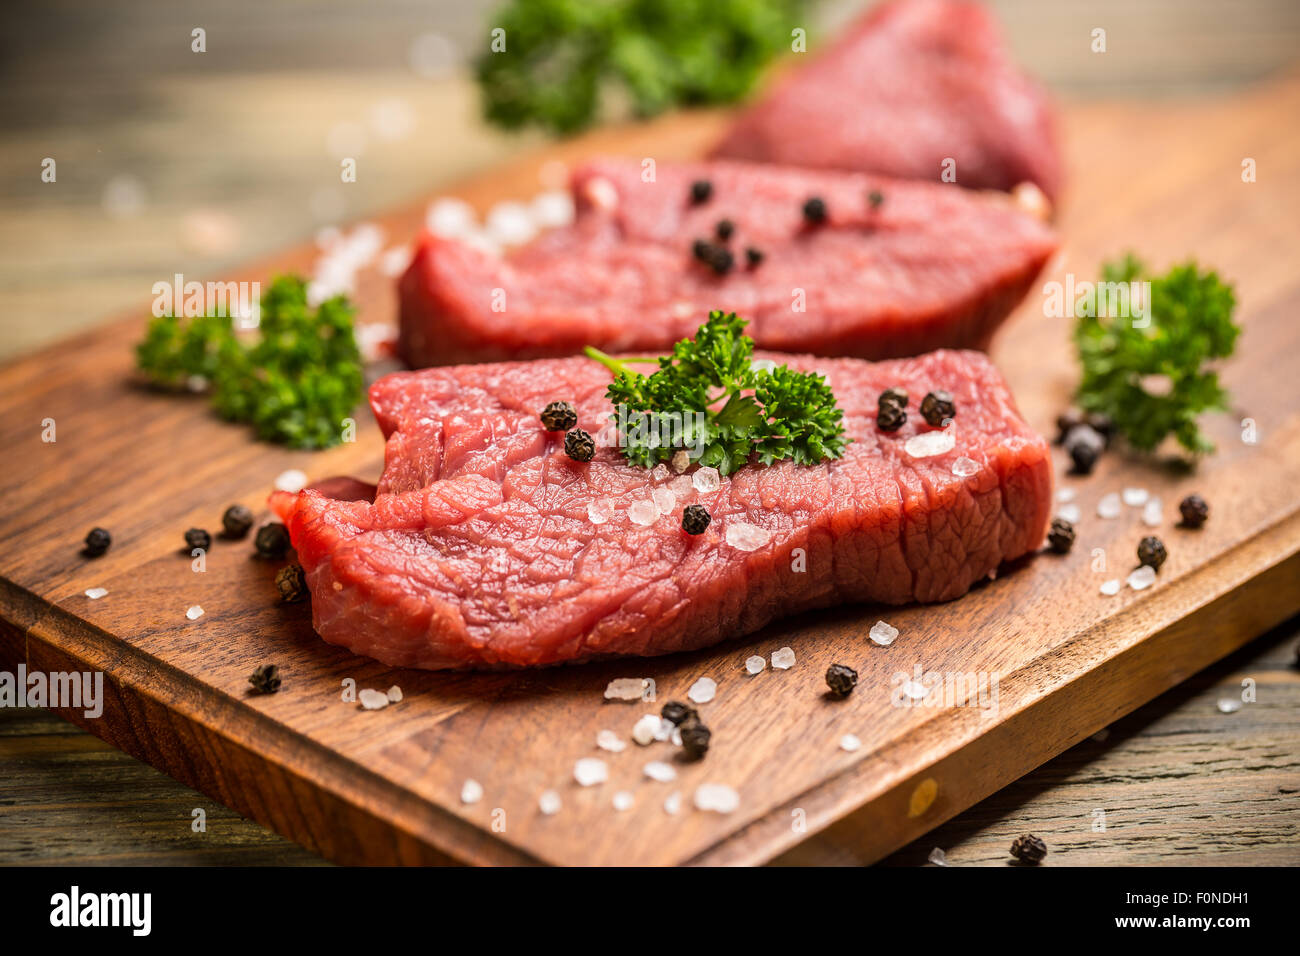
[{"x": 174, "y": 161}]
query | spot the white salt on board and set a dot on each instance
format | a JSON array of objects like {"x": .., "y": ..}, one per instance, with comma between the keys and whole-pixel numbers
[
  {"x": 850, "y": 743},
  {"x": 783, "y": 659},
  {"x": 96, "y": 593},
  {"x": 755, "y": 664},
  {"x": 1142, "y": 578},
  {"x": 717, "y": 797},
  {"x": 658, "y": 770},
  {"x": 625, "y": 688},
  {"x": 1109, "y": 506},
  {"x": 882, "y": 633},
  {"x": 472, "y": 792},
  {"x": 646, "y": 728},
  {"x": 589, "y": 771},
  {"x": 373, "y": 699},
  {"x": 549, "y": 802},
  {"x": 608, "y": 740},
  {"x": 703, "y": 690}
]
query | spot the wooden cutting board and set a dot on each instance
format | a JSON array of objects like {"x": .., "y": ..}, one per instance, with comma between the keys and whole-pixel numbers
[{"x": 383, "y": 787}]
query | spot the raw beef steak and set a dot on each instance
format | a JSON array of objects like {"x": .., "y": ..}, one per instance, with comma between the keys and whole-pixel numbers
[
  {"x": 911, "y": 84},
  {"x": 486, "y": 546},
  {"x": 931, "y": 266}
]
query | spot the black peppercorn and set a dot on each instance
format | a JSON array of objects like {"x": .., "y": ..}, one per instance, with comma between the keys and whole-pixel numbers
[
  {"x": 814, "y": 210},
  {"x": 721, "y": 260},
  {"x": 1061, "y": 536},
  {"x": 1194, "y": 511},
  {"x": 272, "y": 540},
  {"x": 97, "y": 542},
  {"x": 266, "y": 679},
  {"x": 559, "y": 417},
  {"x": 702, "y": 250},
  {"x": 1069, "y": 419},
  {"x": 1084, "y": 445},
  {"x": 1151, "y": 552},
  {"x": 890, "y": 417},
  {"x": 937, "y": 407},
  {"x": 695, "y": 519},
  {"x": 893, "y": 394},
  {"x": 701, "y": 191},
  {"x": 841, "y": 680},
  {"x": 292, "y": 583},
  {"x": 754, "y": 257},
  {"x": 724, "y": 229},
  {"x": 237, "y": 521},
  {"x": 695, "y": 738},
  {"x": 198, "y": 538},
  {"x": 677, "y": 712},
  {"x": 1028, "y": 849},
  {"x": 876, "y": 198},
  {"x": 579, "y": 445}
]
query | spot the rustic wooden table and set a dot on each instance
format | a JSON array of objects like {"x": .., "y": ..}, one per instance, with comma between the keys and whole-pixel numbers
[{"x": 174, "y": 161}]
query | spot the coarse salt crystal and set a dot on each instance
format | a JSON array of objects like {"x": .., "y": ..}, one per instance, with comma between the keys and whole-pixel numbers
[
  {"x": 96, "y": 593},
  {"x": 1109, "y": 506},
  {"x": 676, "y": 736},
  {"x": 549, "y": 802},
  {"x": 964, "y": 467},
  {"x": 394, "y": 694},
  {"x": 681, "y": 461},
  {"x": 600, "y": 511},
  {"x": 1111, "y": 588},
  {"x": 552, "y": 209},
  {"x": 659, "y": 472},
  {"x": 625, "y": 688},
  {"x": 1134, "y": 496},
  {"x": 915, "y": 690},
  {"x": 783, "y": 659},
  {"x": 664, "y": 500},
  {"x": 850, "y": 742},
  {"x": 472, "y": 792},
  {"x": 645, "y": 729},
  {"x": 1153, "y": 513},
  {"x": 747, "y": 537},
  {"x": 703, "y": 690},
  {"x": 292, "y": 480},
  {"x": 882, "y": 633},
  {"x": 450, "y": 218},
  {"x": 623, "y": 800},
  {"x": 1066, "y": 494},
  {"x": 643, "y": 513},
  {"x": 608, "y": 740},
  {"x": 929, "y": 444},
  {"x": 706, "y": 480},
  {"x": 1069, "y": 512},
  {"x": 673, "y": 803},
  {"x": 393, "y": 262},
  {"x": 717, "y": 797},
  {"x": 589, "y": 771},
  {"x": 665, "y": 731},
  {"x": 755, "y": 664},
  {"x": 658, "y": 770},
  {"x": 938, "y": 857},
  {"x": 372, "y": 699},
  {"x": 194, "y": 613},
  {"x": 1142, "y": 578},
  {"x": 1228, "y": 705},
  {"x": 510, "y": 223}
]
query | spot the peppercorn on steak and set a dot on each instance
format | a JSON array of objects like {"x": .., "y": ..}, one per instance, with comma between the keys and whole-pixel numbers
[
  {"x": 824, "y": 262},
  {"x": 487, "y": 545}
]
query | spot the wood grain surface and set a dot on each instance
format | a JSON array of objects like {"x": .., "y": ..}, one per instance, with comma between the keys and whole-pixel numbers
[{"x": 383, "y": 787}]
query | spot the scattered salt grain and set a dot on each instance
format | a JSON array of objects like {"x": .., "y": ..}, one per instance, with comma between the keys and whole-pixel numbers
[
  {"x": 292, "y": 480},
  {"x": 915, "y": 690},
  {"x": 747, "y": 537},
  {"x": 783, "y": 659},
  {"x": 643, "y": 513},
  {"x": 850, "y": 743},
  {"x": 706, "y": 480},
  {"x": 1066, "y": 494},
  {"x": 552, "y": 209},
  {"x": 659, "y": 472},
  {"x": 681, "y": 461},
  {"x": 1109, "y": 505},
  {"x": 964, "y": 467},
  {"x": 600, "y": 511},
  {"x": 717, "y": 797},
  {"x": 450, "y": 218},
  {"x": 658, "y": 770},
  {"x": 96, "y": 593},
  {"x": 625, "y": 688},
  {"x": 608, "y": 740},
  {"x": 194, "y": 613},
  {"x": 1142, "y": 578},
  {"x": 472, "y": 792},
  {"x": 589, "y": 771},
  {"x": 755, "y": 664},
  {"x": 393, "y": 262},
  {"x": 703, "y": 690},
  {"x": 549, "y": 803},
  {"x": 1111, "y": 588},
  {"x": 676, "y": 736},
  {"x": 938, "y": 857},
  {"x": 673, "y": 804},
  {"x": 645, "y": 729},
  {"x": 510, "y": 223},
  {"x": 1229, "y": 705},
  {"x": 928, "y": 444},
  {"x": 1153, "y": 513},
  {"x": 372, "y": 699},
  {"x": 623, "y": 800},
  {"x": 1070, "y": 513},
  {"x": 882, "y": 633},
  {"x": 394, "y": 694},
  {"x": 665, "y": 731},
  {"x": 664, "y": 500},
  {"x": 1133, "y": 497}
]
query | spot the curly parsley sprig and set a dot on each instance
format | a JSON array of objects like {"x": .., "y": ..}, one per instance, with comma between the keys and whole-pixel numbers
[{"x": 723, "y": 410}]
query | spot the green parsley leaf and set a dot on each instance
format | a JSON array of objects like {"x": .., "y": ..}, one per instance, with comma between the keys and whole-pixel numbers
[{"x": 1190, "y": 326}]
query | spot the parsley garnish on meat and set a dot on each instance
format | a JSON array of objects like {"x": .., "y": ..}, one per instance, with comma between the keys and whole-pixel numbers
[
  {"x": 560, "y": 55},
  {"x": 294, "y": 380},
  {"x": 721, "y": 409},
  {"x": 1153, "y": 382}
]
